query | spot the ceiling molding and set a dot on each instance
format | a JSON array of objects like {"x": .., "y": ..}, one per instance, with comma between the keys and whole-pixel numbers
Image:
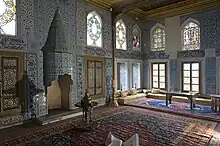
[
  {"x": 126, "y": 5},
  {"x": 185, "y": 7},
  {"x": 100, "y": 3},
  {"x": 135, "y": 15}
]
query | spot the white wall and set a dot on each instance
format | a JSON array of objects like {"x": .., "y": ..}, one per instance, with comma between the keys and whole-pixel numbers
[{"x": 173, "y": 36}]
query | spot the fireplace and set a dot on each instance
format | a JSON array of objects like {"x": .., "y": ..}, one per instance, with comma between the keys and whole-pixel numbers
[{"x": 59, "y": 93}]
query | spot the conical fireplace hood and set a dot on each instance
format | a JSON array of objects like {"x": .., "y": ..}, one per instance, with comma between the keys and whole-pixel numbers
[{"x": 56, "y": 41}]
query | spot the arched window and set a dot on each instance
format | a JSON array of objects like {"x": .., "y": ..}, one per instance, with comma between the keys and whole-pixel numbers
[
  {"x": 158, "y": 38},
  {"x": 190, "y": 35},
  {"x": 7, "y": 17},
  {"x": 121, "y": 42},
  {"x": 136, "y": 37},
  {"x": 94, "y": 30}
]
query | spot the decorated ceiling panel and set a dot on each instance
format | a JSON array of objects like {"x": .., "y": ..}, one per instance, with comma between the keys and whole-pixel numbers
[{"x": 154, "y": 9}]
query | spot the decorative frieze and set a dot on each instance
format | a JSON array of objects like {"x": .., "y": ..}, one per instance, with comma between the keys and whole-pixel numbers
[
  {"x": 128, "y": 54},
  {"x": 10, "y": 120},
  {"x": 210, "y": 75},
  {"x": 157, "y": 55},
  {"x": 191, "y": 53},
  {"x": 12, "y": 43},
  {"x": 95, "y": 51}
]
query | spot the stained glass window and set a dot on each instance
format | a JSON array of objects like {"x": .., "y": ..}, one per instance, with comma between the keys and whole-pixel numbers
[
  {"x": 94, "y": 30},
  {"x": 7, "y": 17},
  {"x": 158, "y": 38},
  {"x": 191, "y": 36},
  {"x": 136, "y": 36},
  {"x": 121, "y": 35}
]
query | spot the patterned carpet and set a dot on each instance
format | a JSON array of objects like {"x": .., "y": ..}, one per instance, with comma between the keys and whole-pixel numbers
[
  {"x": 200, "y": 111},
  {"x": 154, "y": 128}
]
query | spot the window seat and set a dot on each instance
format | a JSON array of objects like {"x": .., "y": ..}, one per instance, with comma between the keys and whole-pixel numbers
[
  {"x": 199, "y": 100},
  {"x": 130, "y": 98}
]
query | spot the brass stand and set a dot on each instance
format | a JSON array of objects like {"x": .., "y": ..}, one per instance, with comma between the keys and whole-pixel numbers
[{"x": 113, "y": 101}]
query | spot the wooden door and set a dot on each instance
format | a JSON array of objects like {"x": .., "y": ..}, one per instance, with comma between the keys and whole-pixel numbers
[{"x": 11, "y": 69}]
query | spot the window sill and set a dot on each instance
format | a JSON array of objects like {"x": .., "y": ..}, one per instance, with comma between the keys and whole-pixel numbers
[
  {"x": 94, "y": 47},
  {"x": 157, "y": 51},
  {"x": 9, "y": 35},
  {"x": 122, "y": 49}
]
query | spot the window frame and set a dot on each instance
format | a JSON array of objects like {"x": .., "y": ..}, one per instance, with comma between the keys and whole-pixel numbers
[
  {"x": 185, "y": 23},
  {"x": 131, "y": 75},
  {"x": 165, "y": 63},
  {"x": 118, "y": 75},
  {"x": 16, "y": 21},
  {"x": 139, "y": 31},
  {"x": 182, "y": 75},
  {"x": 95, "y": 59},
  {"x": 157, "y": 26},
  {"x": 129, "y": 63},
  {"x": 126, "y": 41},
  {"x": 101, "y": 36}
]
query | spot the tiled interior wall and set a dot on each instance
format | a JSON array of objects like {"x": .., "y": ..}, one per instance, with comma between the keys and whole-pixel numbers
[
  {"x": 33, "y": 21},
  {"x": 210, "y": 47}
]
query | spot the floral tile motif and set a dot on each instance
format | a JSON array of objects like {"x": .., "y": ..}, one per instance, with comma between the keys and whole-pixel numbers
[
  {"x": 31, "y": 59},
  {"x": 210, "y": 75},
  {"x": 145, "y": 73},
  {"x": 174, "y": 75},
  {"x": 9, "y": 120},
  {"x": 191, "y": 53},
  {"x": 217, "y": 51},
  {"x": 157, "y": 55},
  {"x": 80, "y": 77},
  {"x": 128, "y": 54},
  {"x": 12, "y": 43},
  {"x": 108, "y": 79}
]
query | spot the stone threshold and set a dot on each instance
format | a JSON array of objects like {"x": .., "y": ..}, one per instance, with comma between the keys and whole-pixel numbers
[{"x": 57, "y": 115}]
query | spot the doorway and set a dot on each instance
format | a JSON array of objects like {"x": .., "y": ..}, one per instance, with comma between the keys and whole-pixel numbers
[
  {"x": 94, "y": 77},
  {"x": 11, "y": 71}
]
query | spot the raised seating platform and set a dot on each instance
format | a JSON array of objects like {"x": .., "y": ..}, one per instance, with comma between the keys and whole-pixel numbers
[
  {"x": 201, "y": 100},
  {"x": 130, "y": 95},
  {"x": 130, "y": 98}
]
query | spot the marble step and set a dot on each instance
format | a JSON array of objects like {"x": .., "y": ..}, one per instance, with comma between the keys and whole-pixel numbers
[{"x": 56, "y": 117}]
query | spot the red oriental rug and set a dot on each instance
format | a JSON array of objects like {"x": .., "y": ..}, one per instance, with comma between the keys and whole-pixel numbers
[{"x": 154, "y": 129}]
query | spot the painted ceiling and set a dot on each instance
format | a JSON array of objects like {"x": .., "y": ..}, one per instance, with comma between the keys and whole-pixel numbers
[{"x": 154, "y": 9}]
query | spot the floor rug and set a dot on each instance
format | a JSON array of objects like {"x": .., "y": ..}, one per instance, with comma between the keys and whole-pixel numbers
[
  {"x": 154, "y": 129},
  {"x": 199, "y": 111}
]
